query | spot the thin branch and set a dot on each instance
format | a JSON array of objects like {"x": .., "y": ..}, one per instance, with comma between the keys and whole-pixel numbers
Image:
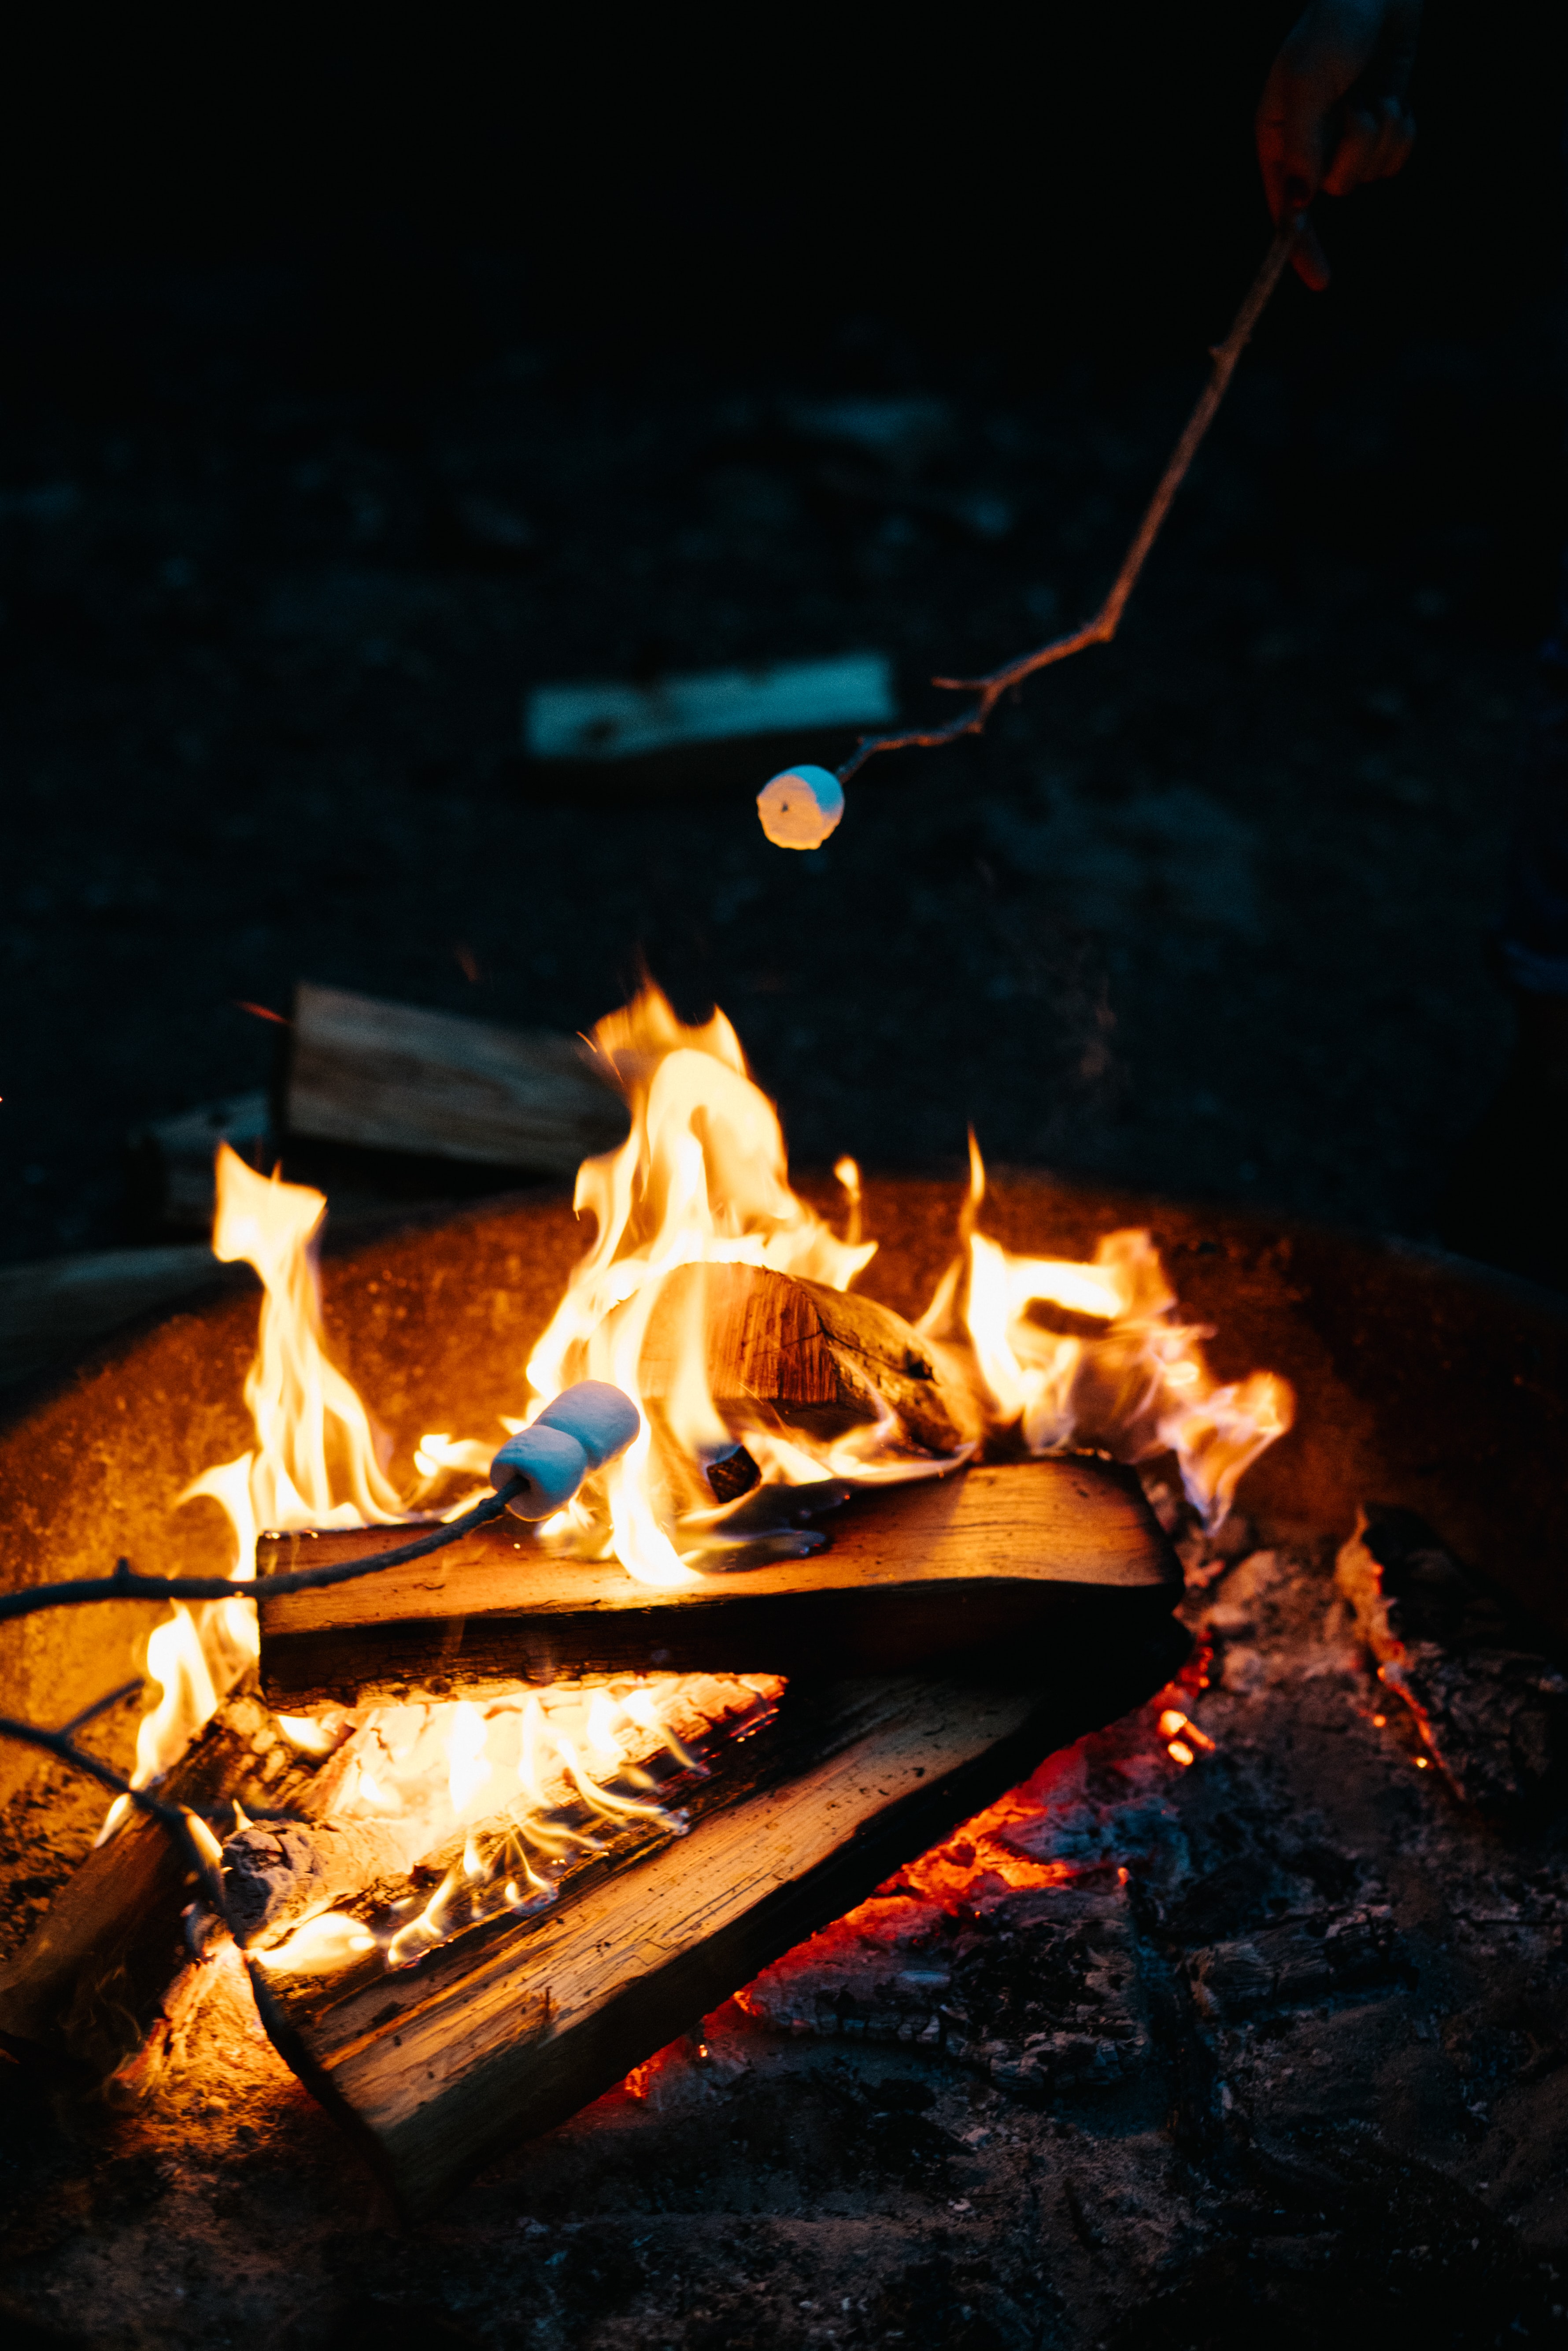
[
  {"x": 168, "y": 1816},
  {"x": 1107, "y": 620},
  {"x": 126, "y": 1584},
  {"x": 101, "y": 1705}
]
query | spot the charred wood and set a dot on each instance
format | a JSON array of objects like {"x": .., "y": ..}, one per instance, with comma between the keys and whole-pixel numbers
[
  {"x": 1298, "y": 1962},
  {"x": 1491, "y": 1708},
  {"x": 824, "y": 1359},
  {"x": 1039, "y": 1990}
]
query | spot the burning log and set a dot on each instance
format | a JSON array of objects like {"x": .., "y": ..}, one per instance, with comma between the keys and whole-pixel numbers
[
  {"x": 513, "y": 2026},
  {"x": 1003, "y": 1554},
  {"x": 824, "y": 1359},
  {"x": 87, "y": 1983},
  {"x": 277, "y": 1872},
  {"x": 1490, "y": 1708},
  {"x": 280, "y": 1873},
  {"x": 400, "y": 1079}
]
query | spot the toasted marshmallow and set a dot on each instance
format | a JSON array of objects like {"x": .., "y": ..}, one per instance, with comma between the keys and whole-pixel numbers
[{"x": 800, "y": 807}]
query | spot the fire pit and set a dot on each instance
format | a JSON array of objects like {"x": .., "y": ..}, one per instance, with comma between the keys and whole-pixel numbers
[{"x": 1092, "y": 1983}]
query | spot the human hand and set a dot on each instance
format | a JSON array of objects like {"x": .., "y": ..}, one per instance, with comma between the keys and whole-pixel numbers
[{"x": 1335, "y": 109}]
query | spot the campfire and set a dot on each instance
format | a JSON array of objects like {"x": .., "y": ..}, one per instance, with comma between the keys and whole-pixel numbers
[{"x": 490, "y": 1824}]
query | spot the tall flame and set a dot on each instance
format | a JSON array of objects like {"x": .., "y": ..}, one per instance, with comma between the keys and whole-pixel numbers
[
  {"x": 314, "y": 1464},
  {"x": 701, "y": 1179}
]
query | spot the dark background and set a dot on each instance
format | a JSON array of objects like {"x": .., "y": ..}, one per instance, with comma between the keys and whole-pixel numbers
[{"x": 1206, "y": 912}]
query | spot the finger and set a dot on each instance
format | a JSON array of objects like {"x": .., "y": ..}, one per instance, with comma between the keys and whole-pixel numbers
[
  {"x": 1293, "y": 135},
  {"x": 1398, "y": 141},
  {"x": 1376, "y": 140},
  {"x": 1309, "y": 260},
  {"x": 1355, "y": 152}
]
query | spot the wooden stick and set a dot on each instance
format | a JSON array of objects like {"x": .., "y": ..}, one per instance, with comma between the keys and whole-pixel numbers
[
  {"x": 510, "y": 2028},
  {"x": 1021, "y": 1554},
  {"x": 1107, "y": 620}
]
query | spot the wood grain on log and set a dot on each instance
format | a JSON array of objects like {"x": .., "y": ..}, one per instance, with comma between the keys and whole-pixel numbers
[
  {"x": 824, "y": 1359},
  {"x": 396, "y": 1077},
  {"x": 508, "y": 2030},
  {"x": 1019, "y": 1554}
]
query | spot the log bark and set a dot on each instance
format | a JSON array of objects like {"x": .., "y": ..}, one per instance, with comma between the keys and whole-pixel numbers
[
  {"x": 824, "y": 1359},
  {"x": 511, "y": 2028},
  {"x": 1022, "y": 1555},
  {"x": 85, "y": 1985},
  {"x": 395, "y": 1078}
]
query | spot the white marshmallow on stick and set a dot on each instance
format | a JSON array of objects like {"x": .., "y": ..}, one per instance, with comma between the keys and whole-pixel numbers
[
  {"x": 586, "y": 1426},
  {"x": 800, "y": 807},
  {"x": 603, "y": 1419},
  {"x": 551, "y": 1465}
]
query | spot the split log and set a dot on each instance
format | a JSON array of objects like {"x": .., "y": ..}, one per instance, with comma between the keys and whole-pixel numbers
[
  {"x": 824, "y": 1359},
  {"x": 87, "y": 1983},
  {"x": 1016, "y": 1556},
  {"x": 277, "y": 1873},
  {"x": 513, "y": 2026},
  {"x": 395, "y": 1078}
]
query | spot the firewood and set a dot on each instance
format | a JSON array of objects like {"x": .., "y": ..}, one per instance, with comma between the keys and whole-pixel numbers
[
  {"x": 279, "y": 1873},
  {"x": 514, "y": 2025},
  {"x": 89, "y": 1981},
  {"x": 1015, "y": 1555},
  {"x": 399, "y": 1078},
  {"x": 824, "y": 1359}
]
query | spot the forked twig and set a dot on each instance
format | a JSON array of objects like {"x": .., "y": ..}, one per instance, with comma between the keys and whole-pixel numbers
[
  {"x": 1106, "y": 621},
  {"x": 178, "y": 1824}
]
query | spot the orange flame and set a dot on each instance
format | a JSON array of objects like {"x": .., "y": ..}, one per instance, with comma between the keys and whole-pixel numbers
[
  {"x": 702, "y": 1179},
  {"x": 314, "y": 1464},
  {"x": 1138, "y": 1388}
]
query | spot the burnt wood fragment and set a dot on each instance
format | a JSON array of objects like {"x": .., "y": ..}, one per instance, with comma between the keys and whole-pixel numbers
[
  {"x": 1491, "y": 1708},
  {"x": 823, "y": 1359},
  {"x": 1014, "y": 1558},
  {"x": 1040, "y": 1990},
  {"x": 1299, "y": 1961}
]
